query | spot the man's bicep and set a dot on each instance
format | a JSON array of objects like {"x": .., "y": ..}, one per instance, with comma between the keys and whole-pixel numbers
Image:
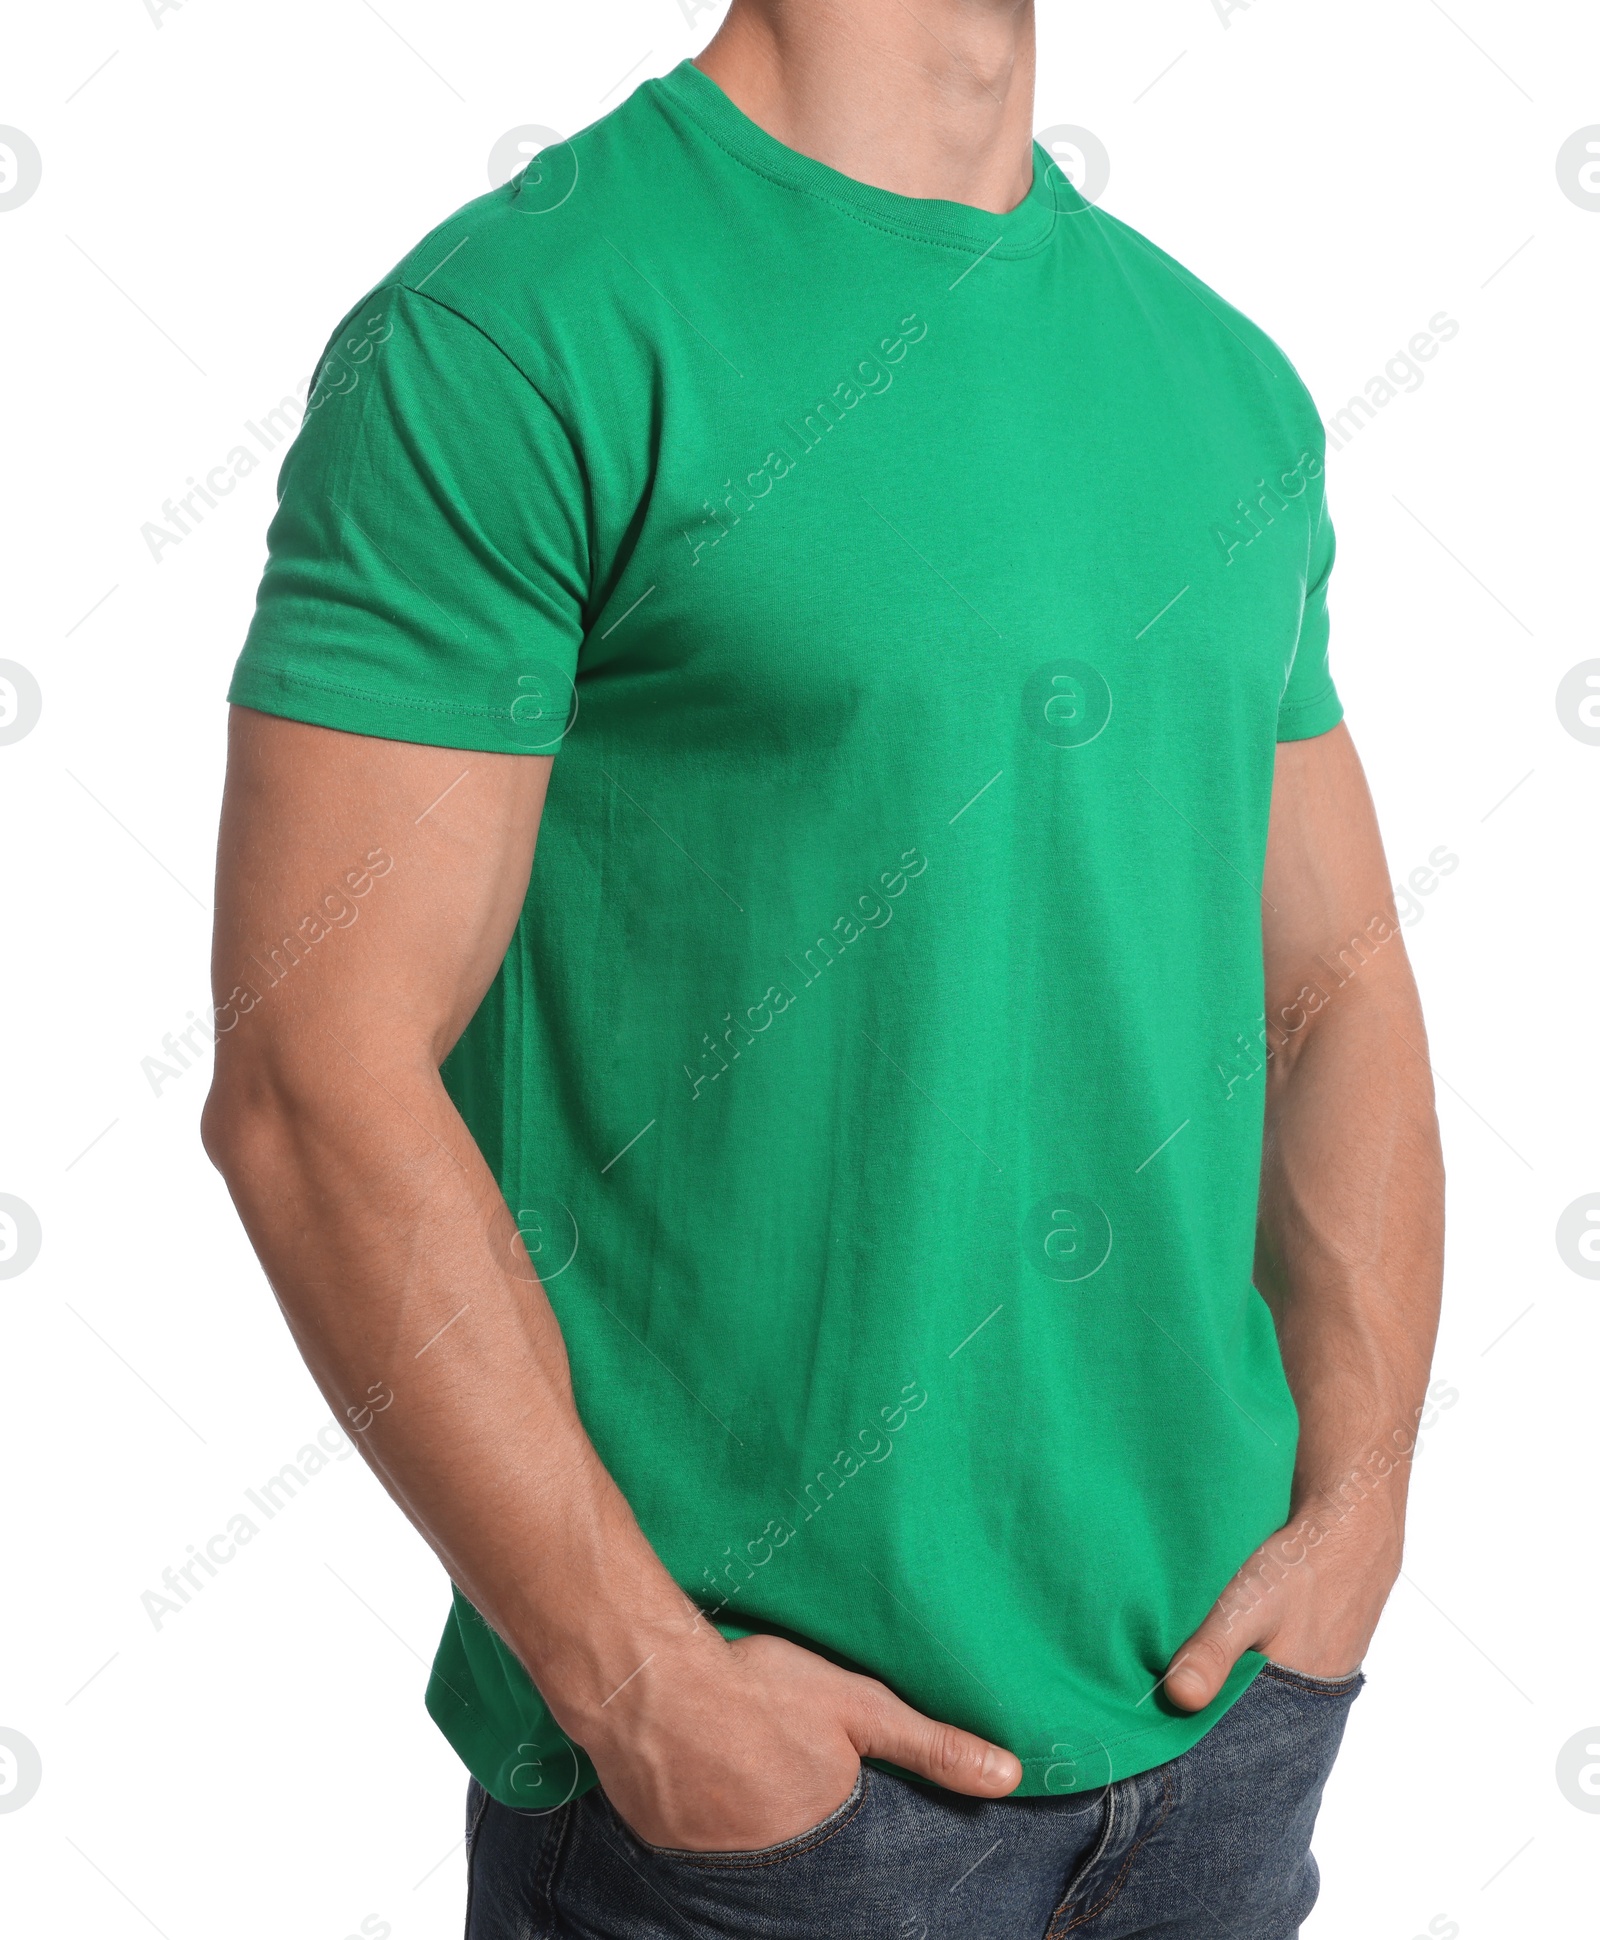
[
  {"x": 365, "y": 887},
  {"x": 1326, "y": 894}
]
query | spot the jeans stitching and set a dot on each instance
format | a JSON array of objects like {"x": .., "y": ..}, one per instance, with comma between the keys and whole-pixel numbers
[
  {"x": 1121, "y": 1879},
  {"x": 541, "y": 1891},
  {"x": 1082, "y": 1871},
  {"x": 480, "y": 1806}
]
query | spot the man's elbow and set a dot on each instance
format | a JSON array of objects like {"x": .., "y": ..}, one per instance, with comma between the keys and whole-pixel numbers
[{"x": 256, "y": 1099}]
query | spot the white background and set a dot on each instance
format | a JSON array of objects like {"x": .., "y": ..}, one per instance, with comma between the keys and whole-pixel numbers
[{"x": 219, "y": 184}]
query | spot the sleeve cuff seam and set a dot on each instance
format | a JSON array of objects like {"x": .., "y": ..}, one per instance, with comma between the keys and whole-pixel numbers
[
  {"x": 1303, "y": 720},
  {"x": 278, "y": 676},
  {"x": 1313, "y": 704}
]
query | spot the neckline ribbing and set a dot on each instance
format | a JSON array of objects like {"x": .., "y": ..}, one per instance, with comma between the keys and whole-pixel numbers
[{"x": 954, "y": 224}]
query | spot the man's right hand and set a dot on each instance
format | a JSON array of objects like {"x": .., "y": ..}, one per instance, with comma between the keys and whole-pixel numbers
[{"x": 731, "y": 1747}]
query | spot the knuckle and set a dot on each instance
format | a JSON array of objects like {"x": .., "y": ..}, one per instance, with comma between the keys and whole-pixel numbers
[
  {"x": 1204, "y": 1654},
  {"x": 952, "y": 1753},
  {"x": 872, "y": 1701}
]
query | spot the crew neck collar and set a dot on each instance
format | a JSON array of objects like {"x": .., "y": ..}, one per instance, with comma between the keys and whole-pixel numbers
[{"x": 955, "y": 224}]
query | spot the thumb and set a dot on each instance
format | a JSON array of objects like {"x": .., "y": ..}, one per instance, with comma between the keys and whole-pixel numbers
[
  {"x": 1200, "y": 1669},
  {"x": 880, "y": 1726}
]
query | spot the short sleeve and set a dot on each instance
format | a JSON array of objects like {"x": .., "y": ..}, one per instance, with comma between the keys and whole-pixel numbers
[
  {"x": 427, "y": 567},
  {"x": 1310, "y": 703}
]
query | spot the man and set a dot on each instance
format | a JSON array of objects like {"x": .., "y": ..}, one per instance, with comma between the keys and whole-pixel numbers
[{"x": 896, "y": 1266}]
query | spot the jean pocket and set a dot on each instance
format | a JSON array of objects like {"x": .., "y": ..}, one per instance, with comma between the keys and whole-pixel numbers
[
  {"x": 792, "y": 1848},
  {"x": 1311, "y": 1685}
]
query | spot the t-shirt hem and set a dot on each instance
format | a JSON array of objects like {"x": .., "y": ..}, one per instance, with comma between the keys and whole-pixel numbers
[
  {"x": 385, "y": 717},
  {"x": 477, "y": 1741},
  {"x": 1301, "y": 720}
]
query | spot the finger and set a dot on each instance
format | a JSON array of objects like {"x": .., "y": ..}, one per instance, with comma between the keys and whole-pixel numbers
[
  {"x": 882, "y": 1727},
  {"x": 1200, "y": 1669}
]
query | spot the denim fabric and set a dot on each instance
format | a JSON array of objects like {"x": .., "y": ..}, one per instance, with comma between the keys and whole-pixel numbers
[{"x": 1215, "y": 1845}]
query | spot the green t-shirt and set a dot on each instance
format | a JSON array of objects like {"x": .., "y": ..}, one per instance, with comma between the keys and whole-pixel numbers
[{"x": 876, "y": 1071}]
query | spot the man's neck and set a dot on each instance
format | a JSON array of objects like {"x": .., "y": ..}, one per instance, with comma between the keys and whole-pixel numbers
[{"x": 934, "y": 100}]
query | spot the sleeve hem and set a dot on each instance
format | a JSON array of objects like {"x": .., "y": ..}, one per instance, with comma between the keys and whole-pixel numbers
[
  {"x": 354, "y": 710},
  {"x": 1302, "y": 719}
]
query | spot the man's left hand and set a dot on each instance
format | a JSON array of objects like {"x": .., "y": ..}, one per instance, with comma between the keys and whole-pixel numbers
[{"x": 1309, "y": 1598}]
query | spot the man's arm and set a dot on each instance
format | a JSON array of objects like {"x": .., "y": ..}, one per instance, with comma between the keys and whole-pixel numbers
[
  {"x": 408, "y": 1290},
  {"x": 1350, "y": 1236}
]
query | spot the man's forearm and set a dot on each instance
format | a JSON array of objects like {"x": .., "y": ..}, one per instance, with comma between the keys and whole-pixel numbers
[
  {"x": 1350, "y": 1241},
  {"x": 412, "y": 1299},
  {"x": 1349, "y": 1231}
]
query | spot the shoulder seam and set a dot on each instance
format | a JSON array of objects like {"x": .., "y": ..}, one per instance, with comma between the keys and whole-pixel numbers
[
  {"x": 472, "y": 323},
  {"x": 1207, "y": 298}
]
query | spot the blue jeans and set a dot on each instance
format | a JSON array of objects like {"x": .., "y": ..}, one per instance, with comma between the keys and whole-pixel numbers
[{"x": 1215, "y": 1845}]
